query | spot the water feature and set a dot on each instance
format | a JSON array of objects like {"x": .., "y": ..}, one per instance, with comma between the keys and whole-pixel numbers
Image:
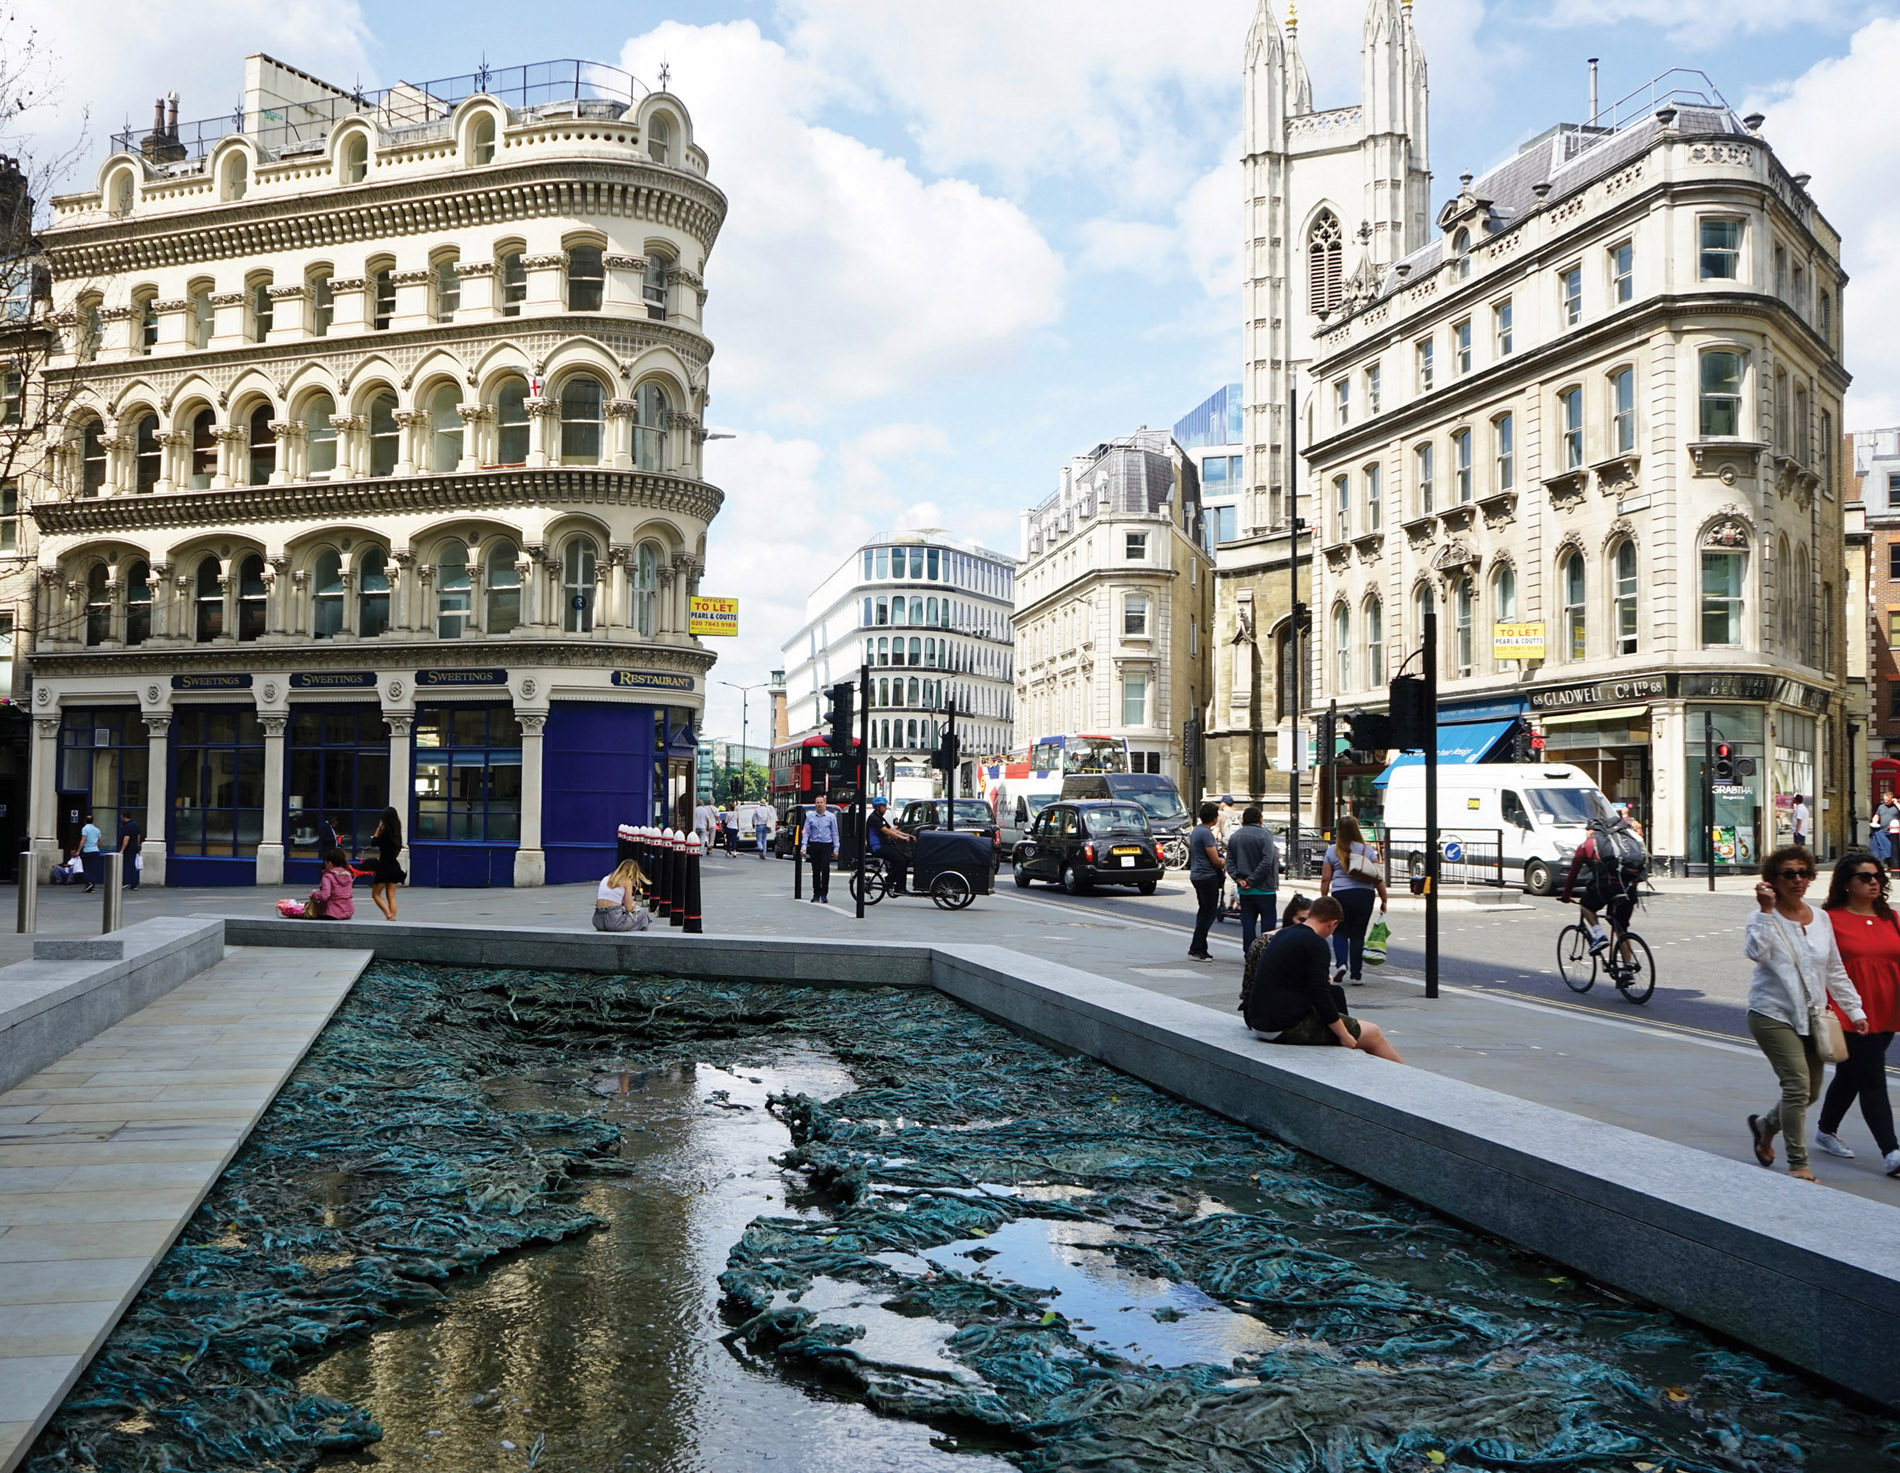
[{"x": 545, "y": 1220}]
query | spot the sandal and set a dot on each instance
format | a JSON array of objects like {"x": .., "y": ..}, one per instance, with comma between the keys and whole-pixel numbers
[
  {"x": 1801, "y": 1173},
  {"x": 1764, "y": 1141}
]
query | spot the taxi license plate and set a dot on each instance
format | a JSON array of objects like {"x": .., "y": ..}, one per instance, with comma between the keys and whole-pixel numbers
[{"x": 1128, "y": 850}]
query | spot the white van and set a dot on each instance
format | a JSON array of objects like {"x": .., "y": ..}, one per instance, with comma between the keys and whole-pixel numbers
[{"x": 1541, "y": 810}]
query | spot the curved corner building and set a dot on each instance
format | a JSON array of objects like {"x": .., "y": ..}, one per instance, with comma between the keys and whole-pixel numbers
[{"x": 376, "y": 478}]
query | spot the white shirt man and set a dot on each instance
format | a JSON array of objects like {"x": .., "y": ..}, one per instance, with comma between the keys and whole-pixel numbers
[{"x": 1803, "y": 823}]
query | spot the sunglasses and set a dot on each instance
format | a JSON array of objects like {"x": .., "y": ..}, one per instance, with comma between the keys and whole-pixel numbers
[
  {"x": 1796, "y": 874},
  {"x": 1868, "y": 874}
]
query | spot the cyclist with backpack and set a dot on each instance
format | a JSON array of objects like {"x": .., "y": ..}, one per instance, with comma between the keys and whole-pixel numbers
[{"x": 1613, "y": 864}]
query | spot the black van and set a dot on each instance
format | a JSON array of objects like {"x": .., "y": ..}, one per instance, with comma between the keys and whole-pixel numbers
[{"x": 1168, "y": 818}]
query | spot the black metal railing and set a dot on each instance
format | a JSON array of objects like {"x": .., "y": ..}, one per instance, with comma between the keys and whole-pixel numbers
[
  {"x": 1466, "y": 856},
  {"x": 526, "y": 88}
]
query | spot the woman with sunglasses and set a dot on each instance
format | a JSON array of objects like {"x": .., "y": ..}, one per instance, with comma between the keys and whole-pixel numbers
[
  {"x": 1797, "y": 968},
  {"x": 1868, "y": 934}
]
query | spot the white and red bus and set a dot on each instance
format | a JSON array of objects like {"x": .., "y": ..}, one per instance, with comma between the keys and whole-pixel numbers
[{"x": 1020, "y": 789}]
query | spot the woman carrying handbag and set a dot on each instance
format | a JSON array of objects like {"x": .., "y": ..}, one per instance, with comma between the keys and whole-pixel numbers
[
  {"x": 1868, "y": 934},
  {"x": 1353, "y": 875},
  {"x": 1797, "y": 968}
]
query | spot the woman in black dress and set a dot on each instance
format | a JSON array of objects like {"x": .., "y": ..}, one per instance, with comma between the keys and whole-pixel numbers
[{"x": 388, "y": 874}]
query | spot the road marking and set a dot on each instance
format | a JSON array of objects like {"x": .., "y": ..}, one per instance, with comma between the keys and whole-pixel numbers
[{"x": 1135, "y": 925}]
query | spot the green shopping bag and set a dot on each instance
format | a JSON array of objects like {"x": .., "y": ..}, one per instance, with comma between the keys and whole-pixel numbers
[{"x": 1376, "y": 939}]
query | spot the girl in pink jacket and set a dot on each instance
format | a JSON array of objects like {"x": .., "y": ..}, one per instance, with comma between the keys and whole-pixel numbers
[{"x": 332, "y": 899}]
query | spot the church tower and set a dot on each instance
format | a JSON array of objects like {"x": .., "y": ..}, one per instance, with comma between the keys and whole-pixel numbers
[{"x": 1331, "y": 197}]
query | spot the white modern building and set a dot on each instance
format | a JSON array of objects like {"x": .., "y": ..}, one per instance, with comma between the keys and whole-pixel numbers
[
  {"x": 381, "y": 481},
  {"x": 933, "y": 616},
  {"x": 1214, "y": 436},
  {"x": 1112, "y": 607}
]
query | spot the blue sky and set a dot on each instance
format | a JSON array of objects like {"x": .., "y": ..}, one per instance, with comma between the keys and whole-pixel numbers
[{"x": 967, "y": 241}]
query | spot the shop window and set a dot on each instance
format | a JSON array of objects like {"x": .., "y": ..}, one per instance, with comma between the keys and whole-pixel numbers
[
  {"x": 385, "y": 435},
  {"x": 646, "y": 590},
  {"x": 651, "y": 412},
  {"x": 103, "y": 763},
  {"x": 138, "y": 602},
  {"x": 336, "y": 768},
  {"x": 147, "y": 453},
  {"x": 218, "y": 783},
  {"x": 511, "y": 422},
  {"x": 578, "y": 562},
  {"x": 467, "y": 776},
  {"x": 263, "y": 446},
  {"x": 252, "y": 601},
  {"x": 98, "y": 605},
  {"x": 326, "y": 595},
  {"x": 445, "y": 428},
  {"x": 501, "y": 588},
  {"x": 1623, "y": 598},
  {"x": 319, "y": 427},
  {"x": 586, "y": 279},
  {"x": 372, "y": 593},
  {"x": 1893, "y": 700},
  {"x": 454, "y": 597},
  {"x": 582, "y": 400}
]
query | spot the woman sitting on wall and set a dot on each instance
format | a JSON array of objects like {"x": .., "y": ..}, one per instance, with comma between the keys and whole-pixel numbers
[{"x": 617, "y": 903}]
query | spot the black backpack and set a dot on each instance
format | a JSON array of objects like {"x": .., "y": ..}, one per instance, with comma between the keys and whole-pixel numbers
[{"x": 1622, "y": 859}]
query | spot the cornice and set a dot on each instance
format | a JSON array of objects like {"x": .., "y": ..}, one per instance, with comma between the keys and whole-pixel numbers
[
  {"x": 366, "y": 213},
  {"x": 376, "y": 654},
  {"x": 447, "y": 494}
]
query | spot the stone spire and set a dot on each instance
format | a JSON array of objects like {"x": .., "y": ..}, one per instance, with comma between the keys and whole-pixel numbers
[{"x": 1299, "y": 86}]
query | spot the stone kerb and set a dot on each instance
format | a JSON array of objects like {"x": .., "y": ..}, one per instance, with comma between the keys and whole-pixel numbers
[{"x": 55, "y": 1002}]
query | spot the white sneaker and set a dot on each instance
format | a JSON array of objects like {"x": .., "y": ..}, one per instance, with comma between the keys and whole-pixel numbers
[
  {"x": 1597, "y": 942},
  {"x": 1833, "y": 1145},
  {"x": 1892, "y": 1162}
]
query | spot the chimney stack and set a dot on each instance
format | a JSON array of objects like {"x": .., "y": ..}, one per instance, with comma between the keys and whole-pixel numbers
[
  {"x": 1593, "y": 92},
  {"x": 161, "y": 145}
]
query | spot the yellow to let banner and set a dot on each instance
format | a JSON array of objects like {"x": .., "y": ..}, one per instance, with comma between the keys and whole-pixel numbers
[
  {"x": 1517, "y": 641},
  {"x": 713, "y": 616}
]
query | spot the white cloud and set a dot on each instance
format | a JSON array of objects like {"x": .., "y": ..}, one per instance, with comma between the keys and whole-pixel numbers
[
  {"x": 840, "y": 274},
  {"x": 1853, "y": 152}
]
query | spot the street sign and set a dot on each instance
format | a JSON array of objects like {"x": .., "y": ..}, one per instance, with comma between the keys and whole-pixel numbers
[
  {"x": 1454, "y": 851},
  {"x": 719, "y": 616}
]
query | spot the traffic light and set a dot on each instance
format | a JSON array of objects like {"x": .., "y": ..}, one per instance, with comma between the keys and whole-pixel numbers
[
  {"x": 1325, "y": 739},
  {"x": 1370, "y": 732},
  {"x": 838, "y": 716},
  {"x": 1724, "y": 763},
  {"x": 1412, "y": 717},
  {"x": 946, "y": 757}
]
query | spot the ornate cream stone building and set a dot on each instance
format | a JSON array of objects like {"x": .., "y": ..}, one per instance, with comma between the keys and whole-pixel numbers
[
  {"x": 382, "y": 480},
  {"x": 1596, "y": 424}
]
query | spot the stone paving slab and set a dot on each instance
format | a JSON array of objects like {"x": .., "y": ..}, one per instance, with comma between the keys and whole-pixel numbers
[{"x": 106, "y": 1153}]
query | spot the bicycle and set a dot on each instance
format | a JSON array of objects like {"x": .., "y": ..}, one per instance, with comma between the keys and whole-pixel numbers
[
  {"x": 871, "y": 880},
  {"x": 1627, "y": 961}
]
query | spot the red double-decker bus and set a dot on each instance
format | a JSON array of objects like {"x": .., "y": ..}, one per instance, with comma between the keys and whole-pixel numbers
[{"x": 807, "y": 766}]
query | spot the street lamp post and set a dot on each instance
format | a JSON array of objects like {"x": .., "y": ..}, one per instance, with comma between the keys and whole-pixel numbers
[{"x": 745, "y": 723}]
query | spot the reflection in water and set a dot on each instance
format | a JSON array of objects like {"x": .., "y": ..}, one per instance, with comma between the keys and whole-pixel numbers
[{"x": 604, "y": 1351}]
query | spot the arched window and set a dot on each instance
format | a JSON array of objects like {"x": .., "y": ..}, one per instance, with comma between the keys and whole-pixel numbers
[
  {"x": 913, "y": 695},
  {"x": 646, "y": 589},
  {"x": 654, "y": 283},
  {"x": 263, "y": 311},
  {"x": 1342, "y": 648},
  {"x": 320, "y": 433},
  {"x": 237, "y": 177},
  {"x": 372, "y": 593},
  {"x": 649, "y": 427},
  {"x": 1623, "y": 597},
  {"x": 916, "y": 650},
  {"x": 1575, "y": 610},
  {"x": 582, "y": 398},
  {"x": 1784, "y": 601},
  {"x": 382, "y": 287},
  {"x": 481, "y": 139},
  {"x": 263, "y": 446},
  {"x": 322, "y": 304},
  {"x": 1464, "y": 632},
  {"x": 1803, "y": 607},
  {"x": 147, "y": 305},
  {"x": 445, "y": 428},
  {"x": 98, "y": 605},
  {"x": 92, "y": 457},
  {"x": 577, "y": 585},
  {"x": 1372, "y": 618},
  {"x": 326, "y": 595},
  {"x": 501, "y": 588},
  {"x": 204, "y": 450},
  {"x": 204, "y": 317},
  {"x": 138, "y": 603},
  {"x": 355, "y": 158},
  {"x": 453, "y": 596},
  {"x": 586, "y": 279},
  {"x": 147, "y": 457},
  {"x": 1421, "y": 605},
  {"x": 514, "y": 283},
  {"x": 446, "y": 287},
  {"x": 511, "y": 422},
  {"x": 210, "y": 601},
  {"x": 1724, "y": 569},
  {"x": 384, "y": 434},
  {"x": 884, "y": 691},
  {"x": 250, "y": 598},
  {"x": 1325, "y": 248},
  {"x": 1461, "y": 253},
  {"x": 659, "y": 139}
]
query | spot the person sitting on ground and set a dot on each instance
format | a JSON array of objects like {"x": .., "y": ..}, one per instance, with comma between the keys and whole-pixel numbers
[
  {"x": 617, "y": 902},
  {"x": 1288, "y": 996},
  {"x": 71, "y": 869},
  {"x": 890, "y": 842},
  {"x": 333, "y": 899}
]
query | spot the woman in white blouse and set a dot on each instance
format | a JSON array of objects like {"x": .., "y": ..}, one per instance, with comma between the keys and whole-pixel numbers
[{"x": 1797, "y": 967}]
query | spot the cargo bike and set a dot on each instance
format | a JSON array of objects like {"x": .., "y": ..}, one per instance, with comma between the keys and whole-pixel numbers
[{"x": 951, "y": 868}]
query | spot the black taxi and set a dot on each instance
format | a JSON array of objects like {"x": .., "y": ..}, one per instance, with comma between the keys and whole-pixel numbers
[
  {"x": 974, "y": 816},
  {"x": 1079, "y": 845}
]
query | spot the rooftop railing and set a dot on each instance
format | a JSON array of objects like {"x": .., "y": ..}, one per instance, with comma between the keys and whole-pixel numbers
[
  {"x": 1678, "y": 87},
  {"x": 595, "y": 89}
]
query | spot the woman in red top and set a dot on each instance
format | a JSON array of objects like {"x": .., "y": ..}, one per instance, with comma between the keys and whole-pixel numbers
[{"x": 1869, "y": 936}]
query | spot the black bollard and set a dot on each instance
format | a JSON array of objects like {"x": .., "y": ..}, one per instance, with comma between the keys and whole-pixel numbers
[
  {"x": 798, "y": 866},
  {"x": 662, "y": 876},
  {"x": 677, "y": 876},
  {"x": 693, "y": 926}
]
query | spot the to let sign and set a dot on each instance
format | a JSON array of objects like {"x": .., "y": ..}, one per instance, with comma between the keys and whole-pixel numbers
[
  {"x": 1517, "y": 641},
  {"x": 718, "y": 616}
]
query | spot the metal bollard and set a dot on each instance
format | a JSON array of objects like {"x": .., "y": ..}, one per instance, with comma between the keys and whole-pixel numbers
[
  {"x": 693, "y": 926},
  {"x": 112, "y": 910},
  {"x": 662, "y": 875},
  {"x": 676, "y": 879},
  {"x": 798, "y": 864},
  {"x": 29, "y": 912}
]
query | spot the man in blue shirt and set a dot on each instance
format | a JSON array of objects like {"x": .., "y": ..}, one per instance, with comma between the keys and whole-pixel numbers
[
  {"x": 1206, "y": 869},
  {"x": 819, "y": 843},
  {"x": 89, "y": 837}
]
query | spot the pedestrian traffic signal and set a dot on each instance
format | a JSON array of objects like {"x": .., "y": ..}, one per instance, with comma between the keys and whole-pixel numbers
[
  {"x": 838, "y": 715},
  {"x": 1724, "y": 762},
  {"x": 1412, "y": 716},
  {"x": 1325, "y": 739}
]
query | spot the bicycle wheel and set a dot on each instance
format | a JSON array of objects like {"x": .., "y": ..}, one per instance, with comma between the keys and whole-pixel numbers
[
  {"x": 951, "y": 891},
  {"x": 1576, "y": 963},
  {"x": 867, "y": 884},
  {"x": 1635, "y": 978}
]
